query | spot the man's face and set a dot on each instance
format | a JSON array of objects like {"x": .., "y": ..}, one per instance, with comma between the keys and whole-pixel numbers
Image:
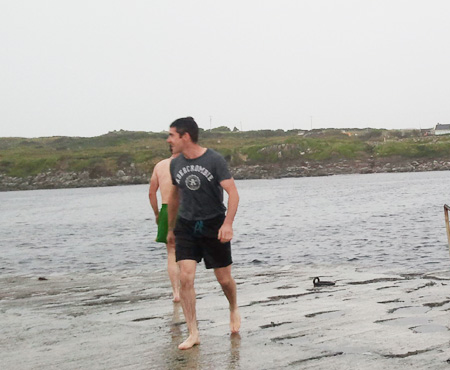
[{"x": 175, "y": 141}]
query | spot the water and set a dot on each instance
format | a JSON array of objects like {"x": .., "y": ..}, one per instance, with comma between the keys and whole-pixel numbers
[{"x": 393, "y": 221}]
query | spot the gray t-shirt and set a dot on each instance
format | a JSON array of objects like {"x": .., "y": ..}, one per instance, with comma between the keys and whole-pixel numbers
[{"x": 198, "y": 181}]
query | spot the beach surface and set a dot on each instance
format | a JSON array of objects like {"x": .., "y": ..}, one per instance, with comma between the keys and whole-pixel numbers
[{"x": 370, "y": 319}]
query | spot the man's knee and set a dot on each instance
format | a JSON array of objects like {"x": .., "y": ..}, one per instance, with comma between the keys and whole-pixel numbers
[
  {"x": 187, "y": 278},
  {"x": 224, "y": 278}
]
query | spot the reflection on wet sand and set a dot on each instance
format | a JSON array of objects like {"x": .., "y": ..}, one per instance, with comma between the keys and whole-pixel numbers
[
  {"x": 195, "y": 357},
  {"x": 175, "y": 324},
  {"x": 174, "y": 358},
  {"x": 235, "y": 346},
  {"x": 188, "y": 359}
]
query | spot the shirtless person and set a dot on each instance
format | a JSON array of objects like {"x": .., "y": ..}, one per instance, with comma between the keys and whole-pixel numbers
[
  {"x": 202, "y": 230},
  {"x": 161, "y": 180}
]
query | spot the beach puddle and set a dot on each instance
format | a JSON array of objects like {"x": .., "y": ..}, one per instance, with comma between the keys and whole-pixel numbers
[
  {"x": 409, "y": 310},
  {"x": 405, "y": 321},
  {"x": 291, "y": 338},
  {"x": 326, "y": 314},
  {"x": 430, "y": 328},
  {"x": 273, "y": 324}
]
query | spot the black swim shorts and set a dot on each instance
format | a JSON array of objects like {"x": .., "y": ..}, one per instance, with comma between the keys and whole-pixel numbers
[{"x": 198, "y": 239}]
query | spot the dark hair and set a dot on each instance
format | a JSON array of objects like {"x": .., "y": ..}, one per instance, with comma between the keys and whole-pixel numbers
[{"x": 186, "y": 124}]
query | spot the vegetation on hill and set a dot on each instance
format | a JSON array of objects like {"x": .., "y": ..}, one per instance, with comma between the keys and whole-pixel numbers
[{"x": 139, "y": 151}]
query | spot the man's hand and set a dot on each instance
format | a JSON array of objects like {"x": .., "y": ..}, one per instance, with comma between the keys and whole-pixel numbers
[
  {"x": 225, "y": 233},
  {"x": 157, "y": 218}
]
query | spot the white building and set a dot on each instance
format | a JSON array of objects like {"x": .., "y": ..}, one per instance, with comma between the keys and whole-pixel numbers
[{"x": 441, "y": 129}]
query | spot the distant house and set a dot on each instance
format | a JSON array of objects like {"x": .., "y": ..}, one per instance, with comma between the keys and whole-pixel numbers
[{"x": 441, "y": 129}]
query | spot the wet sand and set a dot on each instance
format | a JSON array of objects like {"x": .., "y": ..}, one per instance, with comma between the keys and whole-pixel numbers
[{"x": 370, "y": 319}]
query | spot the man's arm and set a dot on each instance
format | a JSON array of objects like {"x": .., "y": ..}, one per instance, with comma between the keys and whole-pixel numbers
[
  {"x": 154, "y": 185},
  {"x": 172, "y": 211},
  {"x": 226, "y": 230}
]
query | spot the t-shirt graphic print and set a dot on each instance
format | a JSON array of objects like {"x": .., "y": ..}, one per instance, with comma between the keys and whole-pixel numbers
[{"x": 198, "y": 181}]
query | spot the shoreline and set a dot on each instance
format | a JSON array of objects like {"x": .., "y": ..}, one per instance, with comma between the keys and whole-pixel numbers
[
  {"x": 370, "y": 319},
  {"x": 66, "y": 180}
]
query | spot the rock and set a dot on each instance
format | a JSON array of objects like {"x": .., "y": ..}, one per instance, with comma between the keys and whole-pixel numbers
[{"x": 299, "y": 168}]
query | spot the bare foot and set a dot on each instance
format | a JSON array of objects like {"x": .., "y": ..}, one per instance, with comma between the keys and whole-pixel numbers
[
  {"x": 190, "y": 342},
  {"x": 235, "y": 320}
]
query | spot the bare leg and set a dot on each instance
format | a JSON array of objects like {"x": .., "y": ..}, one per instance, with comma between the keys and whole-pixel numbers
[
  {"x": 187, "y": 294},
  {"x": 174, "y": 271},
  {"x": 228, "y": 285}
]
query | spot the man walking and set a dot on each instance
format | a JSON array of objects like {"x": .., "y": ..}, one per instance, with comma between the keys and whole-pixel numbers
[
  {"x": 161, "y": 180},
  {"x": 204, "y": 227}
]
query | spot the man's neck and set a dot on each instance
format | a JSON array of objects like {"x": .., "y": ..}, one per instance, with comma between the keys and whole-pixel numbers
[{"x": 194, "y": 151}]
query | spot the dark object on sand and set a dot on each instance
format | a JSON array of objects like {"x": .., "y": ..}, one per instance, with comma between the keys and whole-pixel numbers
[
  {"x": 42, "y": 278},
  {"x": 317, "y": 282}
]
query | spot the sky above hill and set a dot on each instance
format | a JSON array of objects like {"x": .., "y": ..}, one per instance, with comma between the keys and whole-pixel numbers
[{"x": 84, "y": 67}]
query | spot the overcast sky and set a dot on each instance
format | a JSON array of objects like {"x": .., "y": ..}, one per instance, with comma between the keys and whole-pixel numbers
[{"x": 87, "y": 67}]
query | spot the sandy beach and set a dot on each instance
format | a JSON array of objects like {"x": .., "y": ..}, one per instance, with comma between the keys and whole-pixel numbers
[{"x": 368, "y": 320}]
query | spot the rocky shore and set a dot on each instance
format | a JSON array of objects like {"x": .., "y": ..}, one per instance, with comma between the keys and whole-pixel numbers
[
  {"x": 341, "y": 167},
  {"x": 62, "y": 180},
  {"x": 59, "y": 179}
]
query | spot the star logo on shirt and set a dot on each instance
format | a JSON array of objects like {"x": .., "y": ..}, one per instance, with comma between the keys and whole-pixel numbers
[{"x": 193, "y": 182}]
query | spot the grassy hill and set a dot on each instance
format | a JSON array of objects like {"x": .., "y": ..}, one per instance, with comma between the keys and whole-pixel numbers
[{"x": 138, "y": 152}]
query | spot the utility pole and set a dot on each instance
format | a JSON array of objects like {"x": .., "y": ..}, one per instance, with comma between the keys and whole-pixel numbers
[
  {"x": 210, "y": 120},
  {"x": 311, "y": 123}
]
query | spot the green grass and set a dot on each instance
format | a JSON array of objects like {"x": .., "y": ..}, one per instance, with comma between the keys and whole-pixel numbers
[
  {"x": 140, "y": 151},
  {"x": 426, "y": 148}
]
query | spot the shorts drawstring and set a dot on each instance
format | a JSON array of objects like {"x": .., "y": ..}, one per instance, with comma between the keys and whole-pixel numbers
[{"x": 198, "y": 228}]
